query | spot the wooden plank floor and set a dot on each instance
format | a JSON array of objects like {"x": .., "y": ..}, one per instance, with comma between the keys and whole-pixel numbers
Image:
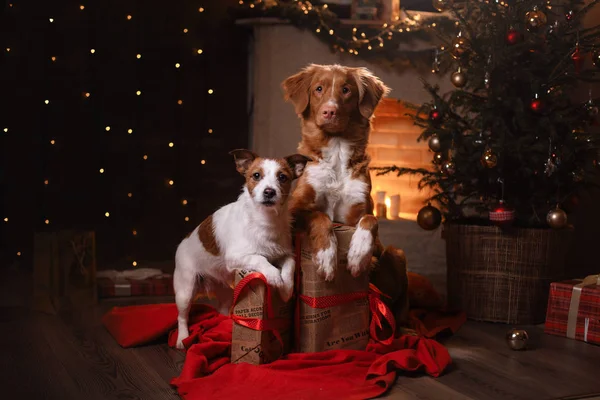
[{"x": 73, "y": 357}]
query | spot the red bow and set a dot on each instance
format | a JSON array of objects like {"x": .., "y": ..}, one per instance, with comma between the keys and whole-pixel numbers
[
  {"x": 258, "y": 324},
  {"x": 378, "y": 310}
]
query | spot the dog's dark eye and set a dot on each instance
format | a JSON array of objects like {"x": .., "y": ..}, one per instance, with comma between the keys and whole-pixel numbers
[
  {"x": 282, "y": 178},
  {"x": 345, "y": 90},
  {"x": 319, "y": 89},
  {"x": 256, "y": 176}
]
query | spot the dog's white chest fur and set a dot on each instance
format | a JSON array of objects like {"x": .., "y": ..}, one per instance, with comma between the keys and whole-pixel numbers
[{"x": 336, "y": 190}]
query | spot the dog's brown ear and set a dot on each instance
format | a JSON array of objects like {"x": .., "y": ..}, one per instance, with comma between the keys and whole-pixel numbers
[
  {"x": 297, "y": 163},
  {"x": 296, "y": 88},
  {"x": 243, "y": 158},
  {"x": 370, "y": 91}
]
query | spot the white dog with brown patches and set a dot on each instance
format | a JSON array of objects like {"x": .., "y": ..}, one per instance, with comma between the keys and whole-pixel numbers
[{"x": 253, "y": 233}]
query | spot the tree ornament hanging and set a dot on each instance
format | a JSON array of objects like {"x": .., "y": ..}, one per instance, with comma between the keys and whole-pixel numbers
[
  {"x": 458, "y": 78},
  {"x": 502, "y": 215},
  {"x": 513, "y": 36},
  {"x": 551, "y": 164},
  {"x": 429, "y": 217},
  {"x": 435, "y": 68},
  {"x": 557, "y": 218},
  {"x": 578, "y": 58},
  {"x": 535, "y": 19},
  {"x": 460, "y": 46},
  {"x": 596, "y": 58},
  {"x": 569, "y": 15},
  {"x": 435, "y": 116},
  {"x": 479, "y": 140},
  {"x": 449, "y": 167},
  {"x": 438, "y": 158},
  {"x": 442, "y": 5},
  {"x": 591, "y": 107},
  {"x": 489, "y": 159},
  {"x": 553, "y": 28},
  {"x": 434, "y": 143},
  {"x": 536, "y": 104}
]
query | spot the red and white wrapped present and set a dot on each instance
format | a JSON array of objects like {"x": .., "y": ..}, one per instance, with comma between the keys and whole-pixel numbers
[{"x": 574, "y": 309}]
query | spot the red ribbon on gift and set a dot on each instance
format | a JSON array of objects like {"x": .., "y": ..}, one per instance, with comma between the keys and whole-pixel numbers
[
  {"x": 258, "y": 324},
  {"x": 378, "y": 310}
]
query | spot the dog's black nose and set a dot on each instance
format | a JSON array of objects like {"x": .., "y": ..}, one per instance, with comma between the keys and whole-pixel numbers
[{"x": 269, "y": 193}]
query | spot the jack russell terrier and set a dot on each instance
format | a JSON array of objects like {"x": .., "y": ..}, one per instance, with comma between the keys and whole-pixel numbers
[{"x": 253, "y": 233}]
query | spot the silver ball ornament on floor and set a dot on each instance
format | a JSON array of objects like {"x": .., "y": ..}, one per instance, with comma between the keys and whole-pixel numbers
[{"x": 517, "y": 339}]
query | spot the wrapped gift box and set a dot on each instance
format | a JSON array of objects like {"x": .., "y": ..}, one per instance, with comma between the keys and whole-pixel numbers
[
  {"x": 574, "y": 309},
  {"x": 331, "y": 315},
  {"x": 64, "y": 274},
  {"x": 137, "y": 282},
  {"x": 262, "y": 321}
]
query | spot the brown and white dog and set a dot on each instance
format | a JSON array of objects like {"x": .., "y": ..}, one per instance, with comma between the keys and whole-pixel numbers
[
  {"x": 253, "y": 233},
  {"x": 335, "y": 105}
]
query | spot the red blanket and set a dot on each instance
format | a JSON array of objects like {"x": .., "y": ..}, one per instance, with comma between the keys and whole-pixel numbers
[{"x": 208, "y": 374}]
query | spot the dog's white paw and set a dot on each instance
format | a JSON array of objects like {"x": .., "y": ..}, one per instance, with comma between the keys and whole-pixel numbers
[
  {"x": 287, "y": 289},
  {"x": 273, "y": 277},
  {"x": 360, "y": 252},
  {"x": 326, "y": 261}
]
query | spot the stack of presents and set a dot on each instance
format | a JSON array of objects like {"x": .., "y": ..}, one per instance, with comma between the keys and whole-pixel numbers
[{"x": 343, "y": 314}]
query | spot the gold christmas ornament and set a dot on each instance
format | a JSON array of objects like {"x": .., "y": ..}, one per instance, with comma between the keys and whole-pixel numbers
[
  {"x": 442, "y": 5},
  {"x": 489, "y": 159},
  {"x": 534, "y": 20},
  {"x": 434, "y": 143},
  {"x": 458, "y": 78},
  {"x": 449, "y": 167},
  {"x": 517, "y": 339},
  {"x": 557, "y": 218},
  {"x": 437, "y": 158},
  {"x": 460, "y": 46},
  {"x": 429, "y": 217}
]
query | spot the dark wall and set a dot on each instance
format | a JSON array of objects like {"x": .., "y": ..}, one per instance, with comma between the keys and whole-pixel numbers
[{"x": 77, "y": 194}]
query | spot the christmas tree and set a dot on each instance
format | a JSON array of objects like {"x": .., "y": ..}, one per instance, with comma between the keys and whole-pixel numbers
[{"x": 511, "y": 144}]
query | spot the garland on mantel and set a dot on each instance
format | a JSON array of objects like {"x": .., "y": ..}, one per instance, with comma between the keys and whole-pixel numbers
[{"x": 381, "y": 43}]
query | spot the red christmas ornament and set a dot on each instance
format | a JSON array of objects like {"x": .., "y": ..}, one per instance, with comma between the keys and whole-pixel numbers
[
  {"x": 536, "y": 105},
  {"x": 513, "y": 36},
  {"x": 578, "y": 59},
  {"x": 435, "y": 116},
  {"x": 502, "y": 215}
]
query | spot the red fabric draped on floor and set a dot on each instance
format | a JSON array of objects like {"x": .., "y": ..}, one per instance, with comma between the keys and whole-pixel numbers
[{"x": 208, "y": 374}]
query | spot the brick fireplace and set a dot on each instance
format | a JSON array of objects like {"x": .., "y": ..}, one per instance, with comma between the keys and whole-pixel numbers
[{"x": 394, "y": 142}]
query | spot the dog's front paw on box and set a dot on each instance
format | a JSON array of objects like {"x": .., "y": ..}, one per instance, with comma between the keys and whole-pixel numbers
[{"x": 261, "y": 321}]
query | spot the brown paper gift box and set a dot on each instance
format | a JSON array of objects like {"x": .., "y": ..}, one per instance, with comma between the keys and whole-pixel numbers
[
  {"x": 343, "y": 326},
  {"x": 251, "y": 313},
  {"x": 64, "y": 272}
]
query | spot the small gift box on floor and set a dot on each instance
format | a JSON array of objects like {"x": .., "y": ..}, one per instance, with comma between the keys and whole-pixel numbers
[
  {"x": 331, "y": 315},
  {"x": 261, "y": 321},
  {"x": 574, "y": 309},
  {"x": 64, "y": 272},
  {"x": 134, "y": 282}
]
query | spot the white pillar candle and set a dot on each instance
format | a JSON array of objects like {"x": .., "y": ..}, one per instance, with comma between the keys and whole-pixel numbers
[
  {"x": 380, "y": 198},
  {"x": 394, "y": 206}
]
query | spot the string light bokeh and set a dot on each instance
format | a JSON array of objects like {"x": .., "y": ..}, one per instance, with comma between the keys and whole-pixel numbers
[{"x": 109, "y": 122}]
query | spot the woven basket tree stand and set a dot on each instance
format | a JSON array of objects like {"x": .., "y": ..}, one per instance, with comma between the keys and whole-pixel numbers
[{"x": 498, "y": 276}]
